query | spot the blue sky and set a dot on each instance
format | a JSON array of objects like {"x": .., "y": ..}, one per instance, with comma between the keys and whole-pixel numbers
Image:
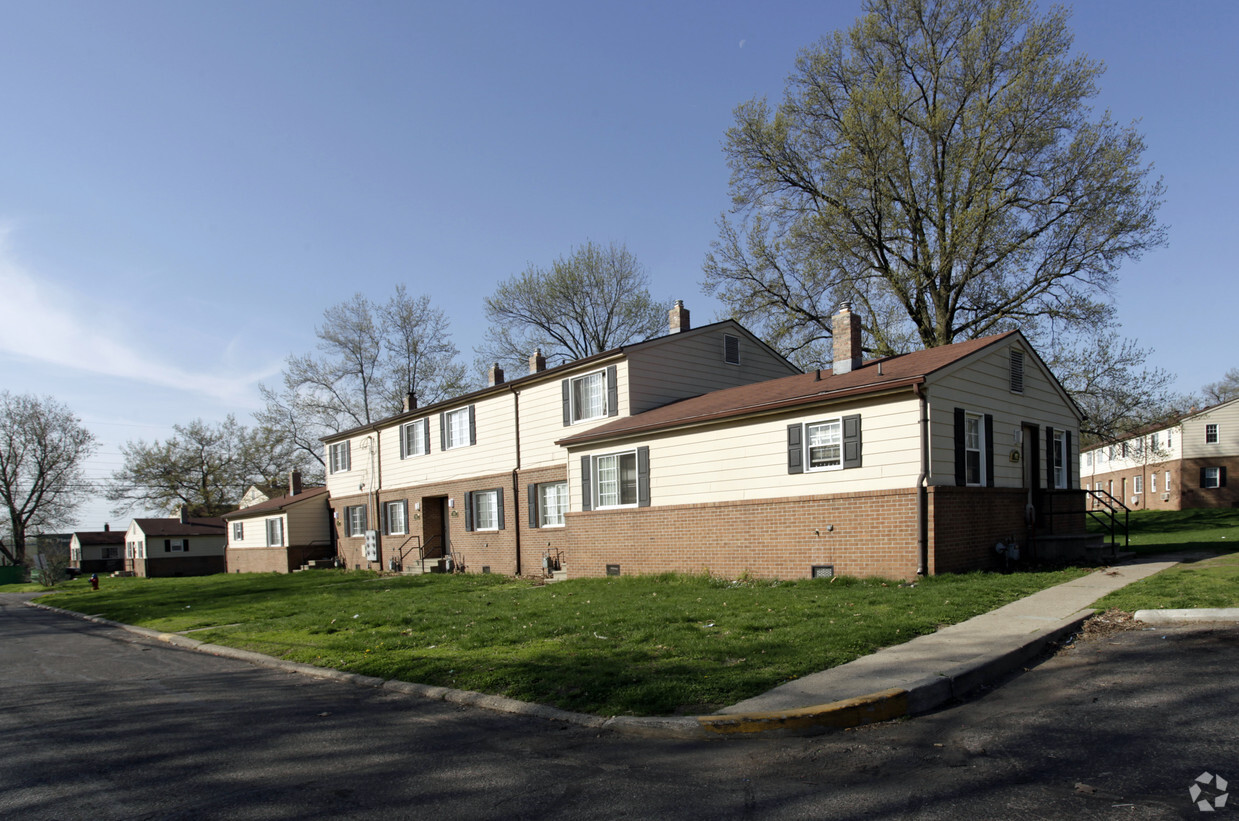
[{"x": 185, "y": 187}]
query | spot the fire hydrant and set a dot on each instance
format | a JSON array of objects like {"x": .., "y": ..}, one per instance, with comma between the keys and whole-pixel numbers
[{"x": 94, "y": 581}]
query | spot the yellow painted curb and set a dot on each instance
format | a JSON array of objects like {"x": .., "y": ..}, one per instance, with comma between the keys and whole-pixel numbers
[{"x": 850, "y": 712}]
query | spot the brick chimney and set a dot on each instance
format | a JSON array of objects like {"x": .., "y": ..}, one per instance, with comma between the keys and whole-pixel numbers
[
  {"x": 107, "y": 528},
  {"x": 678, "y": 317},
  {"x": 494, "y": 376},
  {"x": 184, "y": 514},
  {"x": 845, "y": 327},
  {"x": 537, "y": 362},
  {"x": 410, "y": 401},
  {"x": 294, "y": 482}
]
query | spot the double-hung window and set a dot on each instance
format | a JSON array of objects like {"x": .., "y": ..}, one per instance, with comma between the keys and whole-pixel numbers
[
  {"x": 340, "y": 457},
  {"x": 547, "y": 504},
  {"x": 457, "y": 428},
  {"x": 108, "y": 553},
  {"x": 484, "y": 510},
  {"x": 1153, "y": 482},
  {"x": 1060, "y": 458},
  {"x": 615, "y": 477},
  {"x": 275, "y": 532},
  {"x": 589, "y": 396},
  {"x": 355, "y": 520},
  {"x": 974, "y": 450},
  {"x": 414, "y": 439},
  {"x": 1212, "y": 477},
  {"x": 825, "y": 443},
  {"x": 1137, "y": 484},
  {"x": 1211, "y": 435},
  {"x": 238, "y": 531},
  {"x": 593, "y": 395},
  {"x": 176, "y": 545},
  {"x": 396, "y": 517}
]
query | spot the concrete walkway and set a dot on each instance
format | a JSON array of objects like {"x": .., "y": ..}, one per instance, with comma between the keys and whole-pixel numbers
[{"x": 934, "y": 669}]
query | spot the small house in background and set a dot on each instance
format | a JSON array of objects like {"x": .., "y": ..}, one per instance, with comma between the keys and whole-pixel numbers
[
  {"x": 97, "y": 551},
  {"x": 1181, "y": 464},
  {"x": 184, "y": 546},
  {"x": 282, "y": 533}
]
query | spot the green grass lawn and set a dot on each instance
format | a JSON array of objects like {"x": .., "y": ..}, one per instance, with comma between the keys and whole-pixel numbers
[
  {"x": 652, "y": 645},
  {"x": 1197, "y": 582}
]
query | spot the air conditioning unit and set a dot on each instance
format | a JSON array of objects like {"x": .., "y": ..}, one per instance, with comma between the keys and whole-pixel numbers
[
  {"x": 1165, "y": 497},
  {"x": 1135, "y": 500}
]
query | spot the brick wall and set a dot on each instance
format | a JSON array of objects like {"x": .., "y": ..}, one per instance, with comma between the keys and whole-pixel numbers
[
  {"x": 184, "y": 566},
  {"x": 1145, "y": 500},
  {"x": 273, "y": 559},
  {"x": 860, "y": 534},
  {"x": 966, "y": 523},
  {"x": 1193, "y": 495},
  {"x": 472, "y": 552}
]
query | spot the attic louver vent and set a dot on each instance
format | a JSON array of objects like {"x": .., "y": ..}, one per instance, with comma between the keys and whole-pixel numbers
[
  {"x": 731, "y": 349},
  {"x": 1017, "y": 371}
]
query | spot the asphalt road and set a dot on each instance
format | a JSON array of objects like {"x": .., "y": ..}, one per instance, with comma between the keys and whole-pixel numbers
[{"x": 97, "y": 724}]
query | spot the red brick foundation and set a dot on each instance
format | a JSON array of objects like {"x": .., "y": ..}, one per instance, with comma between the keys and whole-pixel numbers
[{"x": 274, "y": 559}]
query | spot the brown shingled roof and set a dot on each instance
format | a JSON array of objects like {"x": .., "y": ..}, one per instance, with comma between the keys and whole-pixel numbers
[
  {"x": 175, "y": 527},
  {"x": 874, "y": 376},
  {"x": 278, "y": 503}
]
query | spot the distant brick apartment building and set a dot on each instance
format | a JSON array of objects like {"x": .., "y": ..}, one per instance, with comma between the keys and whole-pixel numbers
[{"x": 1182, "y": 464}]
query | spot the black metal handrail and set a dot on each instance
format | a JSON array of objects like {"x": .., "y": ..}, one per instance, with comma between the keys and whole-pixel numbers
[{"x": 1106, "y": 514}]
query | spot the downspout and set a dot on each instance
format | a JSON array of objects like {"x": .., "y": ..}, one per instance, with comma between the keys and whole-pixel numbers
[
  {"x": 922, "y": 486},
  {"x": 375, "y": 486},
  {"x": 516, "y": 485}
]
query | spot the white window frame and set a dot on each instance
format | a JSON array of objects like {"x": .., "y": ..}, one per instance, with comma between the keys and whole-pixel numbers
[
  {"x": 1137, "y": 484},
  {"x": 340, "y": 459},
  {"x": 1167, "y": 490},
  {"x": 104, "y": 553},
  {"x": 552, "y": 504},
  {"x": 457, "y": 433},
  {"x": 485, "y": 502},
  {"x": 833, "y": 432},
  {"x": 1155, "y": 441},
  {"x": 1060, "y": 459},
  {"x": 275, "y": 531},
  {"x": 1153, "y": 482},
  {"x": 389, "y": 521},
  {"x": 612, "y": 466},
  {"x": 355, "y": 520},
  {"x": 1088, "y": 459},
  {"x": 1213, "y": 478},
  {"x": 178, "y": 546},
  {"x": 238, "y": 531},
  {"x": 575, "y": 411},
  {"x": 1213, "y": 434},
  {"x": 974, "y": 442},
  {"x": 413, "y": 438}
]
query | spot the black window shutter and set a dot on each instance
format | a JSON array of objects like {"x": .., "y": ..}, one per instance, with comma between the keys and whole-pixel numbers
[
  {"x": 1068, "y": 462},
  {"x": 1202, "y": 477},
  {"x": 473, "y": 427},
  {"x": 612, "y": 391},
  {"x": 586, "y": 495},
  {"x": 643, "y": 477},
  {"x": 403, "y": 431},
  {"x": 851, "y": 441},
  {"x": 795, "y": 451},
  {"x": 1049, "y": 457},
  {"x": 961, "y": 462},
  {"x": 1221, "y": 476},
  {"x": 443, "y": 431},
  {"x": 533, "y": 506},
  {"x": 348, "y": 455},
  {"x": 989, "y": 450},
  {"x": 426, "y": 433},
  {"x": 407, "y": 524},
  {"x": 167, "y": 543},
  {"x": 469, "y": 511},
  {"x": 499, "y": 505},
  {"x": 567, "y": 390}
]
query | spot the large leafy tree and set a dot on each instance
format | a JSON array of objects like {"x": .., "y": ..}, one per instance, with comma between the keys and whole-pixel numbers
[
  {"x": 204, "y": 467},
  {"x": 370, "y": 356},
  {"x": 592, "y": 300},
  {"x": 43, "y": 449},
  {"x": 939, "y": 165}
]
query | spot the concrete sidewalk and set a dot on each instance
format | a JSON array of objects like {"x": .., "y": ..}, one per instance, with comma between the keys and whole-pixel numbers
[{"x": 934, "y": 669}]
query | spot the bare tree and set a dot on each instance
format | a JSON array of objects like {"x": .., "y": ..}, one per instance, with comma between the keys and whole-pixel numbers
[
  {"x": 595, "y": 299},
  {"x": 1224, "y": 390},
  {"x": 43, "y": 448},
  {"x": 370, "y": 357},
  {"x": 938, "y": 165},
  {"x": 49, "y": 563}
]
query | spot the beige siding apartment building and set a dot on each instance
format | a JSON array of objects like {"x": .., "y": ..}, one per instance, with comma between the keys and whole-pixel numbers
[
  {"x": 706, "y": 451},
  {"x": 1176, "y": 466},
  {"x": 280, "y": 533}
]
